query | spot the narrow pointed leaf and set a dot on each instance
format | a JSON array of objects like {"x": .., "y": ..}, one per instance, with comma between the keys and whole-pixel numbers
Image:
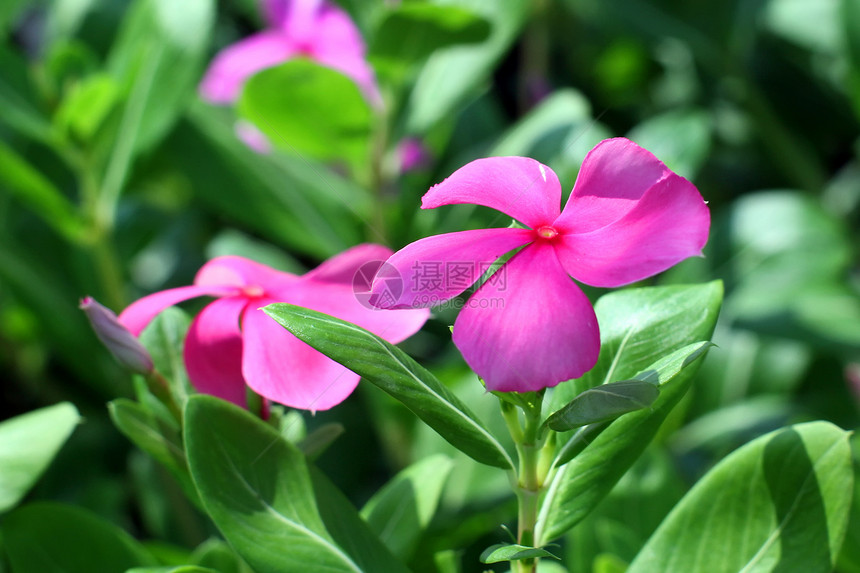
[
  {"x": 501, "y": 552},
  {"x": 582, "y": 483},
  {"x": 603, "y": 403},
  {"x": 776, "y": 504},
  {"x": 386, "y": 366},
  {"x": 28, "y": 444},
  {"x": 263, "y": 496}
]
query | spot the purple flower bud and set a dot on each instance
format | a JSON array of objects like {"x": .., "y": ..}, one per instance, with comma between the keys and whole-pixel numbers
[{"x": 121, "y": 343}]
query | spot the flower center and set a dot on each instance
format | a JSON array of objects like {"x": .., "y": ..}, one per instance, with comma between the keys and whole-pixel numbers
[
  {"x": 547, "y": 232},
  {"x": 253, "y": 291}
]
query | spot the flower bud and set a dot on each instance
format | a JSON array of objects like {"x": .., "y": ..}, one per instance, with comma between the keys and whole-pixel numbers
[{"x": 121, "y": 343}]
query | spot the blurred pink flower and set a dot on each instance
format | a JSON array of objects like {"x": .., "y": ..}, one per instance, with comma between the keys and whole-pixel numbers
[
  {"x": 529, "y": 326},
  {"x": 231, "y": 342},
  {"x": 315, "y": 29},
  {"x": 412, "y": 154}
]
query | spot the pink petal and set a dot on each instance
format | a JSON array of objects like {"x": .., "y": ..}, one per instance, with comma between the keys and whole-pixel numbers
[
  {"x": 282, "y": 368},
  {"x": 248, "y": 133},
  {"x": 435, "y": 269},
  {"x": 665, "y": 226},
  {"x": 302, "y": 20},
  {"x": 342, "y": 268},
  {"x": 343, "y": 302},
  {"x": 614, "y": 176},
  {"x": 531, "y": 329},
  {"x": 213, "y": 350},
  {"x": 275, "y": 12},
  {"x": 518, "y": 186},
  {"x": 139, "y": 313},
  {"x": 236, "y": 63},
  {"x": 240, "y": 272}
]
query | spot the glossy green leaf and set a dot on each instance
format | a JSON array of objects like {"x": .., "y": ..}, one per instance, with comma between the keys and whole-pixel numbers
[
  {"x": 293, "y": 201},
  {"x": 262, "y": 495},
  {"x": 603, "y": 403},
  {"x": 453, "y": 75},
  {"x": 28, "y": 444},
  {"x": 776, "y": 504},
  {"x": 306, "y": 108},
  {"x": 36, "y": 191},
  {"x": 502, "y": 552},
  {"x": 578, "y": 486},
  {"x": 400, "y": 511},
  {"x": 640, "y": 326},
  {"x": 410, "y": 32},
  {"x": 386, "y": 366},
  {"x": 54, "y": 538}
]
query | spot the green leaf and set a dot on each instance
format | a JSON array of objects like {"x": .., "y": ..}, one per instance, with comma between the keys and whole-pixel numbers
[
  {"x": 86, "y": 106},
  {"x": 154, "y": 437},
  {"x": 408, "y": 33},
  {"x": 577, "y": 487},
  {"x": 640, "y": 326},
  {"x": 502, "y": 552},
  {"x": 263, "y": 496},
  {"x": 16, "y": 97},
  {"x": 453, "y": 75},
  {"x": 54, "y": 538},
  {"x": 37, "y": 192},
  {"x": 603, "y": 403},
  {"x": 28, "y": 444},
  {"x": 386, "y": 366},
  {"x": 776, "y": 504},
  {"x": 400, "y": 511},
  {"x": 304, "y": 107},
  {"x": 164, "y": 338}
]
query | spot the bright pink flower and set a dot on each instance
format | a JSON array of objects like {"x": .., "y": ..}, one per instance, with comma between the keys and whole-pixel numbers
[
  {"x": 529, "y": 326},
  {"x": 231, "y": 342},
  {"x": 315, "y": 29}
]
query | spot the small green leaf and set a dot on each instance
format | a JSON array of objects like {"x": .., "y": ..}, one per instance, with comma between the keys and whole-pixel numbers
[
  {"x": 400, "y": 511},
  {"x": 581, "y": 484},
  {"x": 54, "y": 538},
  {"x": 164, "y": 338},
  {"x": 603, "y": 403},
  {"x": 386, "y": 366},
  {"x": 28, "y": 444},
  {"x": 410, "y": 32},
  {"x": 179, "y": 569},
  {"x": 502, "y": 552},
  {"x": 304, "y": 107},
  {"x": 268, "y": 502},
  {"x": 86, "y": 106},
  {"x": 776, "y": 504}
]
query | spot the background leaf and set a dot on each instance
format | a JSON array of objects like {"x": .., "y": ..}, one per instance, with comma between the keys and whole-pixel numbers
[
  {"x": 777, "y": 503},
  {"x": 28, "y": 444},
  {"x": 603, "y": 403}
]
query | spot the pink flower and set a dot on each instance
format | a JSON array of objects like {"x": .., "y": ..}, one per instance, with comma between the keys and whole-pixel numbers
[
  {"x": 231, "y": 342},
  {"x": 315, "y": 29},
  {"x": 529, "y": 326}
]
